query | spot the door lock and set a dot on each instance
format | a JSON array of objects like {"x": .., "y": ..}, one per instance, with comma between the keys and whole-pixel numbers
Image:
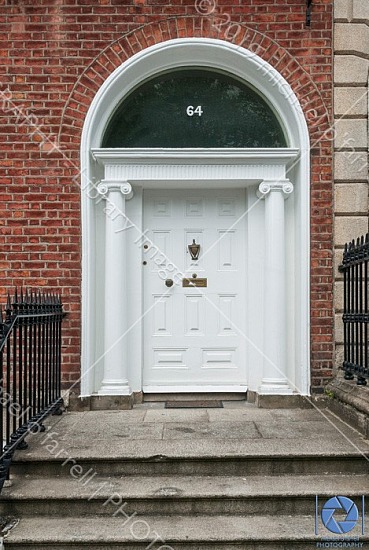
[{"x": 169, "y": 283}]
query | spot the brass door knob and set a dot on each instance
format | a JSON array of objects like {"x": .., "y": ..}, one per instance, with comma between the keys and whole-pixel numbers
[{"x": 169, "y": 282}]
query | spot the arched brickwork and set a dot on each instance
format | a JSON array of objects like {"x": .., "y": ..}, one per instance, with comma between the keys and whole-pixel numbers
[{"x": 120, "y": 50}]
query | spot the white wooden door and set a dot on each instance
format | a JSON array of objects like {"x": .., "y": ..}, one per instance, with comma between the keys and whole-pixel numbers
[{"x": 194, "y": 338}]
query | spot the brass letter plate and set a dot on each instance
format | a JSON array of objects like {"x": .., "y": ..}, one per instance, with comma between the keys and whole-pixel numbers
[{"x": 194, "y": 282}]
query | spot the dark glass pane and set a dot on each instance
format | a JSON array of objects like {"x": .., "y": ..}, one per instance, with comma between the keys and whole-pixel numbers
[{"x": 229, "y": 114}]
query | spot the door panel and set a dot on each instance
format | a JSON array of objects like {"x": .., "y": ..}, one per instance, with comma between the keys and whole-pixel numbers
[
  {"x": 195, "y": 315},
  {"x": 162, "y": 315},
  {"x": 194, "y": 337}
]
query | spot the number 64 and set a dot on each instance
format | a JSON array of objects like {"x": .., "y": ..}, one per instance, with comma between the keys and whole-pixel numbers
[{"x": 191, "y": 110}]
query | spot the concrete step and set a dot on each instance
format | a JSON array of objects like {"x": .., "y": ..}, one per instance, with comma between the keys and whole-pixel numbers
[
  {"x": 269, "y": 443},
  {"x": 175, "y": 481},
  {"x": 182, "y": 495},
  {"x": 167, "y": 533},
  {"x": 236, "y": 466},
  {"x": 229, "y": 459}
]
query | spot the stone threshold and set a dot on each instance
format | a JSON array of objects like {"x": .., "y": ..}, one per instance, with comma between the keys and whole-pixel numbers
[{"x": 126, "y": 402}]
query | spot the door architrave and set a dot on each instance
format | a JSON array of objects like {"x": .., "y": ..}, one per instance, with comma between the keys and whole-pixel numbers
[
  {"x": 187, "y": 169},
  {"x": 246, "y": 65}
]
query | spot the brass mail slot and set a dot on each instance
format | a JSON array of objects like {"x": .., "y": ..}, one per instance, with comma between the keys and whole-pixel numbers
[{"x": 194, "y": 282}]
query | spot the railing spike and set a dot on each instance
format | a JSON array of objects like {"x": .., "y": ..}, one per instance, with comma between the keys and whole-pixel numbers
[
  {"x": 33, "y": 308},
  {"x": 356, "y": 313}
]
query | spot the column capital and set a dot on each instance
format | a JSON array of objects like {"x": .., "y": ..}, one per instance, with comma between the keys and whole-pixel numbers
[
  {"x": 268, "y": 186},
  {"x": 106, "y": 186}
]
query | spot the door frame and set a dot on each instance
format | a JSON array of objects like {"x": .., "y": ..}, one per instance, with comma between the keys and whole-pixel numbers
[
  {"x": 187, "y": 169},
  {"x": 247, "y": 168}
]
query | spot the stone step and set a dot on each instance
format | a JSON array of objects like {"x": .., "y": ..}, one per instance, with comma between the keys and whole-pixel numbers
[
  {"x": 168, "y": 533},
  {"x": 183, "y": 495},
  {"x": 294, "y": 442},
  {"x": 162, "y": 465},
  {"x": 196, "y": 457},
  {"x": 168, "y": 483}
]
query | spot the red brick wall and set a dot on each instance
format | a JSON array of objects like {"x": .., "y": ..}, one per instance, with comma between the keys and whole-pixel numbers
[{"x": 54, "y": 57}]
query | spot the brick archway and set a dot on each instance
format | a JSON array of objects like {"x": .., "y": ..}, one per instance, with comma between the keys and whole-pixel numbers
[{"x": 116, "y": 53}]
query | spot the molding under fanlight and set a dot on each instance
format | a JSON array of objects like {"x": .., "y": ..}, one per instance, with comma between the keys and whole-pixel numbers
[
  {"x": 198, "y": 155},
  {"x": 214, "y": 167}
]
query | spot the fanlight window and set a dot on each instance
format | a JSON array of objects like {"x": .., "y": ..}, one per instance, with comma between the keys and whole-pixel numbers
[{"x": 194, "y": 108}]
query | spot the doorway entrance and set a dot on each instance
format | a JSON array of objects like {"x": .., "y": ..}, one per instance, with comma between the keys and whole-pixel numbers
[{"x": 153, "y": 133}]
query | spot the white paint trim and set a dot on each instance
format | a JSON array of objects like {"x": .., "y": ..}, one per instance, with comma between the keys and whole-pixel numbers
[
  {"x": 195, "y": 389},
  {"x": 182, "y": 156},
  {"x": 247, "y": 66}
]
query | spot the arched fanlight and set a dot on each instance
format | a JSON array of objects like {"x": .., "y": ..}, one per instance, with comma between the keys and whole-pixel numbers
[{"x": 194, "y": 108}]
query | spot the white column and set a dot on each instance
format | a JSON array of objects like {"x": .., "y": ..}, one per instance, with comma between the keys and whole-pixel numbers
[
  {"x": 274, "y": 380},
  {"x": 115, "y": 380}
]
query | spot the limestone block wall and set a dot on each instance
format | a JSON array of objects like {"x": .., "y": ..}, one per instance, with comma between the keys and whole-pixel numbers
[{"x": 351, "y": 66}]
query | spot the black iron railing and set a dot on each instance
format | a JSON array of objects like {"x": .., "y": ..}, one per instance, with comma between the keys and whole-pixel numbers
[
  {"x": 356, "y": 310},
  {"x": 30, "y": 363}
]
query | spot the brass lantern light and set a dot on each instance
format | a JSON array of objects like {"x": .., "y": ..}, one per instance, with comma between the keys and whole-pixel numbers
[{"x": 194, "y": 250}]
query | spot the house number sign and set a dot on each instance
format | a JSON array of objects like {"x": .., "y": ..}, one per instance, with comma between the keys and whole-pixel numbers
[{"x": 191, "y": 110}]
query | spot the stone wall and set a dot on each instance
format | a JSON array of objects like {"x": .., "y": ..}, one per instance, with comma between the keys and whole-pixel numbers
[{"x": 351, "y": 65}]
